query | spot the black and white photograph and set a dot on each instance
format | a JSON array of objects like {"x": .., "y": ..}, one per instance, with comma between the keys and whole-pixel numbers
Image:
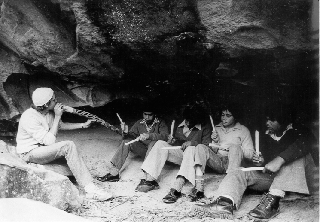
[{"x": 159, "y": 110}]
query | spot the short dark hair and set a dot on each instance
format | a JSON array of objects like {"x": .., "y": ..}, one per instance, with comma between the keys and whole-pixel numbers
[
  {"x": 233, "y": 108},
  {"x": 195, "y": 113},
  {"x": 149, "y": 107},
  {"x": 279, "y": 112}
]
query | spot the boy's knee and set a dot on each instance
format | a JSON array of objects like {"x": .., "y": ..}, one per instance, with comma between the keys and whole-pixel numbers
[
  {"x": 71, "y": 144},
  {"x": 201, "y": 147},
  {"x": 189, "y": 149},
  {"x": 161, "y": 143},
  {"x": 234, "y": 148}
]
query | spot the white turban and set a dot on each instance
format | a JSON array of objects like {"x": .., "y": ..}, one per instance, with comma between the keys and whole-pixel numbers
[{"x": 41, "y": 96}]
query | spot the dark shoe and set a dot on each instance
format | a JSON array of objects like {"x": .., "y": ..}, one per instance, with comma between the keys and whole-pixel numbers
[
  {"x": 172, "y": 196},
  {"x": 109, "y": 178},
  {"x": 221, "y": 208},
  {"x": 267, "y": 208},
  {"x": 145, "y": 186},
  {"x": 72, "y": 179},
  {"x": 196, "y": 195}
]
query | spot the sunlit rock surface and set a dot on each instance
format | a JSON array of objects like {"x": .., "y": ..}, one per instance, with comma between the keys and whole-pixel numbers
[{"x": 20, "y": 180}]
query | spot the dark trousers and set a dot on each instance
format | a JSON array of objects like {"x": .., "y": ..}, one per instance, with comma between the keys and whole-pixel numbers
[{"x": 142, "y": 149}]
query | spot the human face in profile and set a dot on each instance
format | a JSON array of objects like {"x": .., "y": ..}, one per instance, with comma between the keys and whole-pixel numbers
[
  {"x": 52, "y": 103},
  {"x": 227, "y": 119},
  {"x": 272, "y": 125},
  {"x": 190, "y": 123},
  {"x": 149, "y": 117}
]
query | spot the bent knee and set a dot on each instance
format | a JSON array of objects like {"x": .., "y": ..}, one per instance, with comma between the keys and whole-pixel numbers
[
  {"x": 70, "y": 143},
  {"x": 160, "y": 143},
  {"x": 201, "y": 147},
  {"x": 235, "y": 148},
  {"x": 189, "y": 149}
]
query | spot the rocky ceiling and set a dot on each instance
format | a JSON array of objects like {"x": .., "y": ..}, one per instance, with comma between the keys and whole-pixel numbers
[{"x": 93, "y": 52}]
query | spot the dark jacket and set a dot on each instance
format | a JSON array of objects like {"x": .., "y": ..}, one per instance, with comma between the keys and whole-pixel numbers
[
  {"x": 294, "y": 144},
  {"x": 196, "y": 136},
  {"x": 159, "y": 131}
]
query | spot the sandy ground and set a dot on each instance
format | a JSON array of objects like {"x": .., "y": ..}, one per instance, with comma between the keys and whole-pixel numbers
[{"x": 97, "y": 145}]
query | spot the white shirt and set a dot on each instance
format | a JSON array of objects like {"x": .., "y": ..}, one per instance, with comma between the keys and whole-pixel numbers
[
  {"x": 34, "y": 129},
  {"x": 238, "y": 135}
]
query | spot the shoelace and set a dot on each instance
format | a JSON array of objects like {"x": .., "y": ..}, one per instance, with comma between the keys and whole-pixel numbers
[{"x": 266, "y": 201}]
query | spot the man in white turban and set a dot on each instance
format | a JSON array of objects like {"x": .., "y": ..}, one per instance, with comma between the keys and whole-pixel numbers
[{"x": 36, "y": 139}]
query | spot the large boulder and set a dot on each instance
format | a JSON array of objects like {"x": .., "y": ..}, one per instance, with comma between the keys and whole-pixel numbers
[{"x": 21, "y": 180}]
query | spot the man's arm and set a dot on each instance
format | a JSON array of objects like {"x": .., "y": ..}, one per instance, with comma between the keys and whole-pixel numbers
[
  {"x": 206, "y": 136},
  {"x": 133, "y": 132},
  {"x": 301, "y": 147},
  {"x": 179, "y": 138},
  {"x": 72, "y": 126}
]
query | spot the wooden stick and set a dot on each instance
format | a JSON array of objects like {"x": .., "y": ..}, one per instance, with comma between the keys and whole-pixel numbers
[
  {"x": 132, "y": 141},
  {"x": 172, "y": 127},
  {"x": 120, "y": 118},
  {"x": 171, "y": 147},
  {"x": 257, "y": 142},
  {"x": 211, "y": 120},
  {"x": 252, "y": 168},
  {"x": 96, "y": 119}
]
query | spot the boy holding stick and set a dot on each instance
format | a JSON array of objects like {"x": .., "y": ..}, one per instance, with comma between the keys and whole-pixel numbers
[
  {"x": 139, "y": 139},
  {"x": 286, "y": 150},
  {"x": 191, "y": 137},
  {"x": 231, "y": 143}
]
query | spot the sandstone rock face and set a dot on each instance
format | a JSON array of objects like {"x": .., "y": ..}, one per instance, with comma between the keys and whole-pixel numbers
[
  {"x": 20, "y": 180},
  {"x": 96, "y": 51},
  {"x": 257, "y": 25}
]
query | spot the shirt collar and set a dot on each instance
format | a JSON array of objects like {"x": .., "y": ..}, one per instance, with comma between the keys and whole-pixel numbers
[
  {"x": 156, "y": 120},
  {"x": 183, "y": 124},
  {"x": 277, "y": 138}
]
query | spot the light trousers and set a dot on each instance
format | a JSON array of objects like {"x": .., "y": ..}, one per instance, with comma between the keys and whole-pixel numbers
[
  {"x": 199, "y": 155},
  {"x": 291, "y": 177},
  {"x": 119, "y": 158},
  {"x": 66, "y": 149}
]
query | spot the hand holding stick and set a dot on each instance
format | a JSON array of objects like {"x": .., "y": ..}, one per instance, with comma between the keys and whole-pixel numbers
[
  {"x": 132, "y": 141},
  {"x": 91, "y": 117}
]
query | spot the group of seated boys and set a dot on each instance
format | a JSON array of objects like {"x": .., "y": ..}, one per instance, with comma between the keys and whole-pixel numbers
[{"x": 284, "y": 154}]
